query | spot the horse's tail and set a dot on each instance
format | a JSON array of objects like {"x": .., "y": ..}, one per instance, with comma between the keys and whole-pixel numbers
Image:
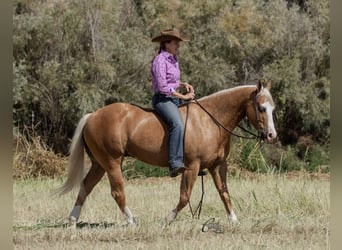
[{"x": 76, "y": 159}]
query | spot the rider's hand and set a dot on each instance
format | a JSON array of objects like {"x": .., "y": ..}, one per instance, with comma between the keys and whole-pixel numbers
[
  {"x": 189, "y": 96},
  {"x": 188, "y": 87}
]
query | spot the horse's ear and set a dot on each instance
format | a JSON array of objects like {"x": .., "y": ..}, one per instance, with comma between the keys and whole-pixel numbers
[
  {"x": 269, "y": 84},
  {"x": 260, "y": 85}
]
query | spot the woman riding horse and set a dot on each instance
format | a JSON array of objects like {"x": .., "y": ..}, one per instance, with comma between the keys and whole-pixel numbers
[
  {"x": 120, "y": 129},
  {"x": 165, "y": 82}
]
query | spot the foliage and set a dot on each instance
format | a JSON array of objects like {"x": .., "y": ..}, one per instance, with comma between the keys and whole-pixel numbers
[
  {"x": 33, "y": 159},
  {"x": 136, "y": 169},
  {"x": 72, "y": 57},
  {"x": 275, "y": 158}
]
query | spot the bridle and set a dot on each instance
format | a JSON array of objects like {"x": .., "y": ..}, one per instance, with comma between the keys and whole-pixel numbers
[{"x": 259, "y": 136}]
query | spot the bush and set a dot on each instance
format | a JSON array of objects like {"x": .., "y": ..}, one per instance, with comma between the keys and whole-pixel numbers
[
  {"x": 252, "y": 159},
  {"x": 287, "y": 160},
  {"x": 71, "y": 56},
  {"x": 317, "y": 159},
  {"x": 133, "y": 168},
  {"x": 270, "y": 158},
  {"x": 33, "y": 159}
]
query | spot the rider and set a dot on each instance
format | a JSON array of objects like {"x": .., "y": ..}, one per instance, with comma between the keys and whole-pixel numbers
[{"x": 166, "y": 99}]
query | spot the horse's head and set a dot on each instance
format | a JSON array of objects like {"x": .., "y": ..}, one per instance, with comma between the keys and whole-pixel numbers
[{"x": 260, "y": 113}]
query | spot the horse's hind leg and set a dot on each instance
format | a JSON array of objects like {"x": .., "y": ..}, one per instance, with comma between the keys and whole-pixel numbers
[
  {"x": 94, "y": 175},
  {"x": 117, "y": 190}
]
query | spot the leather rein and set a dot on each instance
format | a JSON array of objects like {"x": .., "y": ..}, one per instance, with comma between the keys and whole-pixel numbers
[{"x": 254, "y": 136}]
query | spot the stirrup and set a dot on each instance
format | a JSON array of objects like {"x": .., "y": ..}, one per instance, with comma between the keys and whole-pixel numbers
[
  {"x": 175, "y": 171},
  {"x": 202, "y": 173}
]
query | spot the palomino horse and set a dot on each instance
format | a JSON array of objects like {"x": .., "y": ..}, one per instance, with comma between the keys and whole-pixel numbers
[{"x": 121, "y": 129}]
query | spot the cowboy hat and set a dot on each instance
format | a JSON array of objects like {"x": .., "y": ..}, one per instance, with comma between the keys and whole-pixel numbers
[{"x": 170, "y": 34}]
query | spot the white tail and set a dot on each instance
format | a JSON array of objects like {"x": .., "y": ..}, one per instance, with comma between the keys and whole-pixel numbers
[{"x": 76, "y": 159}]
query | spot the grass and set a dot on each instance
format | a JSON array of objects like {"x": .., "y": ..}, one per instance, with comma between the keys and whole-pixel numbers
[{"x": 274, "y": 212}]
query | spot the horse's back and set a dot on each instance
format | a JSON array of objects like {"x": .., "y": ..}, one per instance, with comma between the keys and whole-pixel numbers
[
  {"x": 121, "y": 128},
  {"x": 118, "y": 118}
]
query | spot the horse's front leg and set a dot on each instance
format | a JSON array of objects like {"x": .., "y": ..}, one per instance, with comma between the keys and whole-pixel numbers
[
  {"x": 219, "y": 175},
  {"x": 188, "y": 180}
]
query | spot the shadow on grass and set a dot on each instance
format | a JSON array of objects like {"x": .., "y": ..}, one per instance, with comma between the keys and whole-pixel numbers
[
  {"x": 94, "y": 225},
  {"x": 56, "y": 224}
]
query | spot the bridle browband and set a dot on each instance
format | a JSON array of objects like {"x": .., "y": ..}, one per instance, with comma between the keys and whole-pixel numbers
[{"x": 254, "y": 136}]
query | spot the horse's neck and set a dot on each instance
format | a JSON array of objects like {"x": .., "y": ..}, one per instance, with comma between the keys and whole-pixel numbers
[{"x": 228, "y": 106}]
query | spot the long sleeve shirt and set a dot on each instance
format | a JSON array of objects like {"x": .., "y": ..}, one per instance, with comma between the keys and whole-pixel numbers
[{"x": 165, "y": 73}]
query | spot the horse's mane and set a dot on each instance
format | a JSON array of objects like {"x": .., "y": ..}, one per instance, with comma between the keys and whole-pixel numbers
[{"x": 229, "y": 90}]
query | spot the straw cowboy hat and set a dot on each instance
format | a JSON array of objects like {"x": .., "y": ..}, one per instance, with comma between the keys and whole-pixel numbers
[{"x": 170, "y": 34}]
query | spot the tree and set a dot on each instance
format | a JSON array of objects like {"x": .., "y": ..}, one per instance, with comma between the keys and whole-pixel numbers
[{"x": 72, "y": 57}]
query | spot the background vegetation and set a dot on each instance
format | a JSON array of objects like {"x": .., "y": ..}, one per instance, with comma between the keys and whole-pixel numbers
[{"x": 72, "y": 57}]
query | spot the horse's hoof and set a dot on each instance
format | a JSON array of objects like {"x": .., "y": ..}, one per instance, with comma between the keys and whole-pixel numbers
[
  {"x": 130, "y": 224},
  {"x": 232, "y": 217},
  {"x": 72, "y": 222},
  {"x": 171, "y": 217}
]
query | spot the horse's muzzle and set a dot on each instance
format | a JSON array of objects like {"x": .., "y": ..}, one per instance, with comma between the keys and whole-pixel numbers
[
  {"x": 263, "y": 136},
  {"x": 268, "y": 136}
]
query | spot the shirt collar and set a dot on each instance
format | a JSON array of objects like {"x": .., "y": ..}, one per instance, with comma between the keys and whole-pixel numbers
[{"x": 170, "y": 57}]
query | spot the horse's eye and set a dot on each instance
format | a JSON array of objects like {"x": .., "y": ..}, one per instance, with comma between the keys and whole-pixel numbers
[{"x": 262, "y": 109}]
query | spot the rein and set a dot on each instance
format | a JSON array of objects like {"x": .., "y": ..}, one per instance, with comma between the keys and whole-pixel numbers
[
  {"x": 254, "y": 136},
  {"x": 199, "y": 206}
]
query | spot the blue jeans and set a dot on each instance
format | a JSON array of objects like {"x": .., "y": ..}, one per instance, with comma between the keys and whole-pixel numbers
[{"x": 167, "y": 108}]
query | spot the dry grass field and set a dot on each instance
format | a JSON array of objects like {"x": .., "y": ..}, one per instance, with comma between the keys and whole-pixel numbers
[{"x": 274, "y": 212}]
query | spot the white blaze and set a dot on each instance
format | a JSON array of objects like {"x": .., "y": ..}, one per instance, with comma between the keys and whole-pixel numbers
[{"x": 270, "y": 126}]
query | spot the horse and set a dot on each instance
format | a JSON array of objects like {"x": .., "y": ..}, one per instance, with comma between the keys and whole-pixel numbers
[{"x": 123, "y": 129}]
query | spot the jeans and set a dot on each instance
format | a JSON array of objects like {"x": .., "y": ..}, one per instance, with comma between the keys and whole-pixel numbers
[{"x": 167, "y": 108}]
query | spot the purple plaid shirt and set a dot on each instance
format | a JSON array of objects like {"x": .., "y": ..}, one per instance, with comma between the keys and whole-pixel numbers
[{"x": 165, "y": 73}]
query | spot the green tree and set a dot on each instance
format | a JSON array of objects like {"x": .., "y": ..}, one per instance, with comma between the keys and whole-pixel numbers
[{"x": 72, "y": 57}]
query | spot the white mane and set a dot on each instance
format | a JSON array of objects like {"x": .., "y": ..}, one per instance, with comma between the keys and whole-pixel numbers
[{"x": 227, "y": 90}]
